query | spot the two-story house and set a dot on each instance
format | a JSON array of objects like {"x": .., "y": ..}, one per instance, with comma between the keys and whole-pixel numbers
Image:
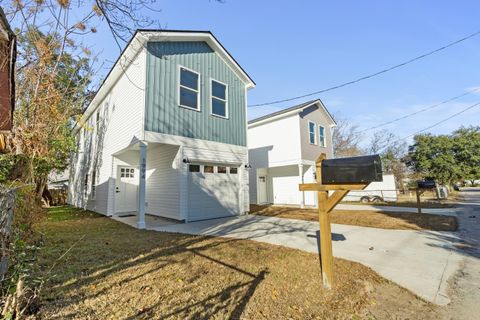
[
  {"x": 283, "y": 147},
  {"x": 166, "y": 133}
]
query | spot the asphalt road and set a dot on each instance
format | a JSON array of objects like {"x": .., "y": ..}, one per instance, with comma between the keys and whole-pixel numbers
[{"x": 465, "y": 285}]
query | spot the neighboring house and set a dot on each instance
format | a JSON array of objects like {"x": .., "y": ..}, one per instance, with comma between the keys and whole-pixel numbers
[
  {"x": 283, "y": 147},
  {"x": 165, "y": 134},
  {"x": 58, "y": 180},
  {"x": 7, "y": 77}
]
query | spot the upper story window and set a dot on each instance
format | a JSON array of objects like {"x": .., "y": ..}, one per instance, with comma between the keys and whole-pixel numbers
[
  {"x": 219, "y": 99},
  {"x": 323, "y": 140},
  {"x": 311, "y": 132},
  {"x": 189, "y": 89}
]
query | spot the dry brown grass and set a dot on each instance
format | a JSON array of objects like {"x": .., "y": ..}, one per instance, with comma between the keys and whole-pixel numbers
[
  {"x": 374, "y": 219},
  {"x": 117, "y": 272}
]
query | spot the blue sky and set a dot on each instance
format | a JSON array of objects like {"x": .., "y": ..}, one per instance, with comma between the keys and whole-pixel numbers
[{"x": 295, "y": 47}]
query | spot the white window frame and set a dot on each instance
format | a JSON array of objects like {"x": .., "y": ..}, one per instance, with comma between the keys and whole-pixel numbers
[
  {"x": 212, "y": 97},
  {"x": 179, "y": 86},
  {"x": 314, "y": 133},
  {"x": 324, "y": 139}
]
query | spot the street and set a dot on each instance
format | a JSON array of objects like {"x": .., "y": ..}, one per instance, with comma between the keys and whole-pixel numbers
[{"x": 466, "y": 283}]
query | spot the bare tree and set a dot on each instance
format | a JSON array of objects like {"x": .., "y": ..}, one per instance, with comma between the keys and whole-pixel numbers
[
  {"x": 392, "y": 150},
  {"x": 346, "y": 139}
]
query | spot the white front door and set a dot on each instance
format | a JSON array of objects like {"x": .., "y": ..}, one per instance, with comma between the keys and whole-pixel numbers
[
  {"x": 262, "y": 189},
  {"x": 126, "y": 189}
]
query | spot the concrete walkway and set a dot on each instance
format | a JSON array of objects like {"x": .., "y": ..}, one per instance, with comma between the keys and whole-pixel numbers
[
  {"x": 421, "y": 261},
  {"x": 440, "y": 211}
]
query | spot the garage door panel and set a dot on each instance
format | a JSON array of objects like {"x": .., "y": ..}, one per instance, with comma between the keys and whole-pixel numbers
[
  {"x": 285, "y": 190},
  {"x": 212, "y": 195}
]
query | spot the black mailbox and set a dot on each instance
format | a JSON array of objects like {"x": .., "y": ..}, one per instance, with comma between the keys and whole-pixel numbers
[
  {"x": 426, "y": 184},
  {"x": 352, "y": 170}
]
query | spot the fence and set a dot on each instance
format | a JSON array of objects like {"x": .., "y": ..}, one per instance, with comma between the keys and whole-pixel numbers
[{"x": 7, "y": 200}]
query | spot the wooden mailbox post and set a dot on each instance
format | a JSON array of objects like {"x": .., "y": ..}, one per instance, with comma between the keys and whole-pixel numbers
[{"x": 326, "y": 203}]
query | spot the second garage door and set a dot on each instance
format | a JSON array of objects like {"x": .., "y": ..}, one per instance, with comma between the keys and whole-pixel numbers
[{"x": 285, "y": 190}]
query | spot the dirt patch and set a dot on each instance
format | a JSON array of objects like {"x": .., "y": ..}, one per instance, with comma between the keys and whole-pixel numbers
[
  {"x": 114, "y": 271},
  {"x": 374, "y": 219},
  {"x": 387, "y": 294}
]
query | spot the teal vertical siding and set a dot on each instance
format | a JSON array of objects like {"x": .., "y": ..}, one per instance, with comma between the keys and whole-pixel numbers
[{"x": 162, "y": 111}]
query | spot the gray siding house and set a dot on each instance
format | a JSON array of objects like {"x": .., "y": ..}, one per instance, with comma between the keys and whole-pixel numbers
[
  {"x": 165, "y": 134},
  {"x": 283, "y": 147}
]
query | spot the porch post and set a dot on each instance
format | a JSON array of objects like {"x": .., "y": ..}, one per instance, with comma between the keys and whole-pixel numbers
[
  {"x": 300, "y": 173},
  {"x": 141, "y": 185}
]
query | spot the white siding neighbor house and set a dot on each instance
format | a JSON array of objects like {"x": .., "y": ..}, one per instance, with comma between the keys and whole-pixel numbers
[
  {"x": 283, "y": 147},
  {"x": 166, "y": 133}
]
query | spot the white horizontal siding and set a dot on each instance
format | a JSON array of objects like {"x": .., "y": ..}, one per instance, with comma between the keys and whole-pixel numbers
[
  {"x": 275, "y": 143},
  {"x": 162, "y": 185},
  {"x": 122, "y": 112}
]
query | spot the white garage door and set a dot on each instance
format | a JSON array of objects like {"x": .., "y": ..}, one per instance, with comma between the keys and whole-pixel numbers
[
  {"x": 213, "y": 192},
  {"x": 285, "y": 190}
]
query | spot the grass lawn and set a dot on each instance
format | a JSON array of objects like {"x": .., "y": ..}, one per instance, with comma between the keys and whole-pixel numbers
[
  {"x": 432, "y": 204},
  {"x": 374, "y": 219},
  {"x": 112, "y": 271},
  {"x": 427, "y": 200}
]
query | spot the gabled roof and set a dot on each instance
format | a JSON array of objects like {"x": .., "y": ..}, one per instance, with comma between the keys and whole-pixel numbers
[
  {"x": 292, "y": 110},
  {"x": 138, "y": 42},
  {"x": 200, "y": 35}
]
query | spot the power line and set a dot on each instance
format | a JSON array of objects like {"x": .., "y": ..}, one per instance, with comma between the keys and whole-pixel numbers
[
  {"x": 433, "y": 125},
  {"x": 419, "y": 111},
  {"x": 370, "y": 75}
]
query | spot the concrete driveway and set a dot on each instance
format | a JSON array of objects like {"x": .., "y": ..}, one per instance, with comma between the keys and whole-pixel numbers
[{"x": 421, "y": 261}]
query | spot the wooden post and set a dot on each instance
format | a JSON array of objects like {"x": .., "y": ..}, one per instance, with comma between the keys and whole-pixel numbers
[
  {"x": 326, "y": 204},
  {"x": 417, "y": 191},
  {"x": 326, "y": 255}
]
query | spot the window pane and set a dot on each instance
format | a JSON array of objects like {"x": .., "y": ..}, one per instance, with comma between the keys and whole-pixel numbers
[
  {"x": 188, "y": 98},
  {"x": 311, "y": 127},
  {"x": 194, "y": 168},
  {"x": 219, "y": 108},
  {"x": 312, "y": 137},
  {"x": 233, "y": 170},
  {"x": 188, "y": 79},
  {"x": 122, "y": 170},
  {"x": 222, "y": 169},
  {"x": 208, "y": 169},
  {"x": 218, "y": 90},
  {"x": 322, "y": 136}
]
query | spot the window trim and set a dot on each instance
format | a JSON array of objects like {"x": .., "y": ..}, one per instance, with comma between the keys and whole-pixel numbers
[
  {"x": 324, "y": 140},
  {"x": 194, "y": 164},
  {"x": 212, "y": 97},
  {"x": 209, "y": 165},
  {"x": 314, "y": 133},
  {"x": 179, "y": 86}
]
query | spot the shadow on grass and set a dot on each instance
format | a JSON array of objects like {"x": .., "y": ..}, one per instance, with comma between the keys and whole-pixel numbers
[
  {"x": 115, "y": 251},
  {"x": 375, "y": 219}
]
